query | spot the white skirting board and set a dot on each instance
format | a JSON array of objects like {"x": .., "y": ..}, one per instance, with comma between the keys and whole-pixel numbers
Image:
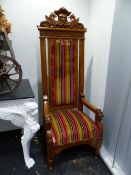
[{"x": 108, "y": 160}]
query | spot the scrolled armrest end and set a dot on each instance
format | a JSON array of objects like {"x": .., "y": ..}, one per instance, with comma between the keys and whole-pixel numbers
[{"x": 99, "y": 115}]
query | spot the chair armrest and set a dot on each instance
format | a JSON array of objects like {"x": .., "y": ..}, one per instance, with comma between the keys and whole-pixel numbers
[
  {"x": 98, "y": 113},
  {"x": 46, "y": 113}
]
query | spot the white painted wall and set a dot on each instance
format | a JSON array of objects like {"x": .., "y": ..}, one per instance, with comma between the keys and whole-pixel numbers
[
  {"x": 97, "y": 16},
  {"x": 117, "y": 104},
  {"x": 99, "y": 36},
  {"x": 25, "y": 15}
]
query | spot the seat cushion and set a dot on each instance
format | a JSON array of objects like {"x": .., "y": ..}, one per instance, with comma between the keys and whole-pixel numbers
[{"x": 72, "y": 126}]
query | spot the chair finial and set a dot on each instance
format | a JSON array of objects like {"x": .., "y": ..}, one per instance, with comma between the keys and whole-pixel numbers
[{"x": 62, "y": 18}]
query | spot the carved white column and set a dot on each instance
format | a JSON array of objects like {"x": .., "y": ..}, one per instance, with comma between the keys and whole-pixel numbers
[{"x": 23, "y": 116}]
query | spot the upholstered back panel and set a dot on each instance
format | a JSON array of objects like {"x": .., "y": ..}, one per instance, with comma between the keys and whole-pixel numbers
[{"x": 63, "y": 71}]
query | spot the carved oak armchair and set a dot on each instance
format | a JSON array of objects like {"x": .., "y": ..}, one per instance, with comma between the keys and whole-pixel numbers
[{"x": 62, "y": 61}]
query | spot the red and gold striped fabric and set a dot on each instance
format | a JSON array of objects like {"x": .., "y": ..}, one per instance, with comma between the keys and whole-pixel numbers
[
  {"x": 72, "y": 126},
  {"x": 63, "y": 72}
]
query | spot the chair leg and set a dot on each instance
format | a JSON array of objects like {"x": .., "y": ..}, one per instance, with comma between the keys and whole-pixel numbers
[
  {"x": 96, "y": 153},
  {"x": 50, "y": 151},
  {"x": 97, "y": 148},
  {"x": 50, "y": 157},
  {"x": 50, "y": 164}
]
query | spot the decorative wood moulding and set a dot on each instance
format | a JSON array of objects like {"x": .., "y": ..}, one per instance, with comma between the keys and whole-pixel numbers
[
  {"x": 60, "y": 34},
  {"x": 61, "y": 18}
]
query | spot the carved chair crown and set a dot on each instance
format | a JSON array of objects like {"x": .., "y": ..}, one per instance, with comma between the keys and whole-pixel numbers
[{"x": 62, "y": 18}]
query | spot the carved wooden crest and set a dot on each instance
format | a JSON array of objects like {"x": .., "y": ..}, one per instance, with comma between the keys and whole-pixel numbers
[{"x": 62, "y": 18}]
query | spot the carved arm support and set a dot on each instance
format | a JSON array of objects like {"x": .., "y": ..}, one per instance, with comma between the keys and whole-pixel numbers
[
  {"x": 98, "y": 112},
  {"x": 46, "y": 113},
  {"x": 49, "y": 137}
]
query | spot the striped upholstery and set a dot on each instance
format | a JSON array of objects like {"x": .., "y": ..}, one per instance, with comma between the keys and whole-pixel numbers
[
  {"x": 63, "y": 72},
  {"x": 72, "y": 126}
]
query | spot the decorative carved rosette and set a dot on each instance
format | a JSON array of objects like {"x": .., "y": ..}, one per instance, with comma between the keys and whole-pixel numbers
[{"x": 62, "y": 18}]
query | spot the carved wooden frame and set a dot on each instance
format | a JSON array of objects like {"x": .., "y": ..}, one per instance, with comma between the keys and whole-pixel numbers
[{"x": 63, "y": 24}]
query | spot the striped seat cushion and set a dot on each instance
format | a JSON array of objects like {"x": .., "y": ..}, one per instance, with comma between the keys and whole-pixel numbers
[{"x": 72, "y": 126}]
